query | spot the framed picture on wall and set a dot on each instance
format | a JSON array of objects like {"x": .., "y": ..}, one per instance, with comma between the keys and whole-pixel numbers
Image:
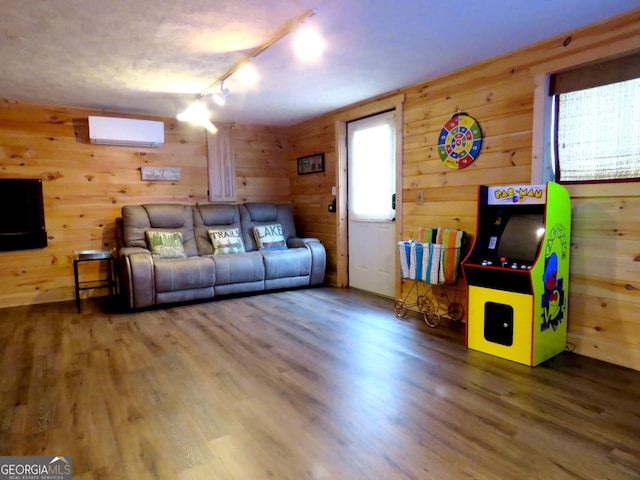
[{"x": 311, "y": 164}]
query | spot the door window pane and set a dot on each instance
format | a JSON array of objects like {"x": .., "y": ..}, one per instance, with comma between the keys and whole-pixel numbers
[{"x": 371, "y": 160}]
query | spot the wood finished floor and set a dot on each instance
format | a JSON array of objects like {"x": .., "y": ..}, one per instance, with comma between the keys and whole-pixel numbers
[{"x": 311, "y": 384}]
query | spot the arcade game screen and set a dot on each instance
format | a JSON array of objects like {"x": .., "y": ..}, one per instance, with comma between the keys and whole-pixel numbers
[
  {"x": 514, "y": 236},
  {"x": 521, "y": 238}
]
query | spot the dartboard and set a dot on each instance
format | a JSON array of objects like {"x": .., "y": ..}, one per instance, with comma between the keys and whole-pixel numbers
[{"x": 460, "y": 141}]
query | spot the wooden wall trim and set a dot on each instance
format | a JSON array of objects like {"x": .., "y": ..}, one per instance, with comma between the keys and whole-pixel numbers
[
  {"x": 625, "y": 45},
  {"x": 541, "y": 170},
  {"x": 363, "y": 110},
  {"x": 613, "y": 189},
  {"x": 342, "y": 244},
  {"x": 221, "y": 166},
  {"x": 399, "y": 182}
]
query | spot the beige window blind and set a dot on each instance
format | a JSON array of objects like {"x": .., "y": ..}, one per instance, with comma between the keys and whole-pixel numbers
[{"x": 598, "y": 121}]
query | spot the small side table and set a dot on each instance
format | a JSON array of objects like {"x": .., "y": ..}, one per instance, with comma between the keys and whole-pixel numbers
[{"x": 94, "y": 256}]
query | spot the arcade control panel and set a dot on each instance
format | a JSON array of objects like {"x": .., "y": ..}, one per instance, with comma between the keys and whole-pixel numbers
[{"x": 504, "y": 262}]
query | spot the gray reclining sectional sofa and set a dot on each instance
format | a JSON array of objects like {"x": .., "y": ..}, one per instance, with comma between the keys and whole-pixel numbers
[{"x": 148, "y": 278}]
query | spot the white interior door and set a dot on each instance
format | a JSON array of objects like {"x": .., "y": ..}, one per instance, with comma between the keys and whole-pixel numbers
[{"x": 371, "y": 158}]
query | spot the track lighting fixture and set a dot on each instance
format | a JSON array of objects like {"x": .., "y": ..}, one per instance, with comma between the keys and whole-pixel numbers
[
  {"x": 221, "y": 97},
  {"x": 198, "y": 114}
]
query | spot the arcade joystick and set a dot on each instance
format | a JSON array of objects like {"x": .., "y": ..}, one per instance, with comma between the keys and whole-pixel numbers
[{"x": 503, "y": 260}]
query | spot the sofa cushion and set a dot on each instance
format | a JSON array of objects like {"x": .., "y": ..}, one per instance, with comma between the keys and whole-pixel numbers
[
  {"x": 253, "y": 214},
  {"x": 226, "y": 240},
  {"x": 137, "y": 219},
  {"x": 184, "y": 273},
  {"x": 213, "y": 216},
  {"x": 269, "y": 237},
  {"x": 295, "y": 262},
  {"x": 246, "y": 267},
  {"x": 165, "y": 244}
]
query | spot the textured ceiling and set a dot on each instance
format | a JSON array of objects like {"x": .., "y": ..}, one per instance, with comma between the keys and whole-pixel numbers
[{"x": 156, "y": 56}]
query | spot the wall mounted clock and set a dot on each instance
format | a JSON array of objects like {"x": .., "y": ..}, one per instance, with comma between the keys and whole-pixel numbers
[{"x": 460, "y": 141}]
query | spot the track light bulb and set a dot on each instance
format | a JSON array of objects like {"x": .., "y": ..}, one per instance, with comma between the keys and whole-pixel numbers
[
  {"x": 197, "y": 114},
  {"x": 308, "y": 44},
  {"x": 247, "y": 74}
]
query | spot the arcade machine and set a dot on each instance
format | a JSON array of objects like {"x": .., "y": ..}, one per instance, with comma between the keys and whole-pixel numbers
[{"x": 517, "y": 272}]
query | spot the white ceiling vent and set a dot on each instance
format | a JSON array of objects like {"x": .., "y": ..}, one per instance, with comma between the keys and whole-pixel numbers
[{"x": 126, "y": 131}]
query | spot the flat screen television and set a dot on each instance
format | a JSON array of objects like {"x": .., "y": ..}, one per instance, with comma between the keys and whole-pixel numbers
[{"x": 22, "y": 222}]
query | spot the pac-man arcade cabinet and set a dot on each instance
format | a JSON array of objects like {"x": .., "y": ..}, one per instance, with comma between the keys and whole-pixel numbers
[{"x": 517, "y": 272}]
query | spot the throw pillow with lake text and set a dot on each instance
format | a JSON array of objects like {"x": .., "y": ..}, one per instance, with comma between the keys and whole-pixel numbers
[{"x": 269, "y": 237}]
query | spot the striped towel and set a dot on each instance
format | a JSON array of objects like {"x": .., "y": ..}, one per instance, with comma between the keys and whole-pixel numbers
[
  {"x": 451, "y": 241},
  {"x": 432, "y": 266},
  {"x": 417, "y": 255},
  {"x": 430, "y": 262},
  {"x": 428, "y": 234},
  {"x": 404, "y": 251}
]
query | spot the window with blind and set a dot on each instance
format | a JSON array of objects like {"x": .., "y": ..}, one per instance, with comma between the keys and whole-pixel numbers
[{"x": 597, "y": 121}]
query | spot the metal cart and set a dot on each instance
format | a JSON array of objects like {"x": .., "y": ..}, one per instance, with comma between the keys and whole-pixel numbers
[{"x": 428, "y": 265}]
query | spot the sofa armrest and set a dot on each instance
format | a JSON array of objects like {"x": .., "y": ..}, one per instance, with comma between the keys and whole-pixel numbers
[
  {"x": 296, "y": 242},
  {"x": 137, "y": 277},
  {"x": 126, "y": 251},
  {"x": 318, "y": 257}
]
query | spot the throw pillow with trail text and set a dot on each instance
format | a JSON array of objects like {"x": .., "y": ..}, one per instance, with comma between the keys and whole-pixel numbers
[{"x": 226, "y": 240}]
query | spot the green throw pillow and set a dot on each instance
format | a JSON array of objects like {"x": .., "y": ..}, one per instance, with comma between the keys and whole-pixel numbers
[
  {"x": 226, "y": 240},
  {"x": 269, "y": 237},
  {"x": 165, "y": 244}
]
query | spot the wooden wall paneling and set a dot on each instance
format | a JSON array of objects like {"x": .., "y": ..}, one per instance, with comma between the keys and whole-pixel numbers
[
  {"x": 500, "y": 93},
  {"x": 262, "y": 163},
  {"x": 503, "y": 107},
  {"x": 624, "y": 267},
  {"x": 422, "y": 162},
  {"x": 85, "y": 186},
  {"x": 605, "y": 237},
  {"x": 311, "y": 194},
  {"x": 610, "y": 321},
  {"x": 605, "y": 39},
  {"x": 605, "y": 267}
]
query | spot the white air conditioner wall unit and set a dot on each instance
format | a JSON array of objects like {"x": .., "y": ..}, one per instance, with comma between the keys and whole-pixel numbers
[{"x": 125, "y": 131}]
